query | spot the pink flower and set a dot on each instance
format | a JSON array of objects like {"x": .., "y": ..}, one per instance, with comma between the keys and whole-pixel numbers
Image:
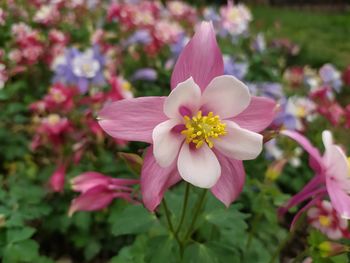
[
  {"x": 57, "y": 179},
  {"x": 88, "y": 180},
  {"x": 52, "y": 128},
  {"x": 331, "y": 176},
  {"x": 98, "y": 191},
  {"x": 326, "y": 219},
  {"x": 201, "y": 132}
]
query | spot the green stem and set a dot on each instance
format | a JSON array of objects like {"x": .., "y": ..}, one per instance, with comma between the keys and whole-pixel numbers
[
  {"x": 255, "y": 223},
  {"x": 300, "y": 257},
  {"x": 281, "y": 246},
  {"x": 184, "y": 208},
  {"x": 195, "y": 216},
  {"x": 170, "y": 224}
]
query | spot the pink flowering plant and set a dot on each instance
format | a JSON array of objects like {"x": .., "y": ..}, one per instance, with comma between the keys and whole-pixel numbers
[{"x": 160, "y": 131}]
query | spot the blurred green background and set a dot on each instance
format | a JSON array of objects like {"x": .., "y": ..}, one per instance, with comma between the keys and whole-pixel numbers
[{"x": 323, "y": 35}]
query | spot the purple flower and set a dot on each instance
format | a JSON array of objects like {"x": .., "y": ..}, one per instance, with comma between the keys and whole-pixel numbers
[
  {"x": 237, "y": 69},
  {"x": 80, "y": 68},
  {"x": 148, "y": 74},
  {"x": 178, "y": 46},
  {"x": 259, "y": 43},
  {"x": 331, "y": 76},
  {"x": 286, "y": 118},
  {"x": 139, "y": 37},
  {"x": 267, "y": 89}
]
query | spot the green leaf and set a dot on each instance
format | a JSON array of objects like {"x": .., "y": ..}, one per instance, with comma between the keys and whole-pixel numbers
[
  {"x": 25, "y": 251},
  {"x": 231, "y": 224},
  {"x": 134, "y": 253},
  {"x": 197, "y": 252},
  {"x": 256, "y": 253},
  {"x": 163, "y": 249},
  {"x": 133, "y": 220},
  {"x": 19, "y": 234},
  {"x": 92, "y": 249}
]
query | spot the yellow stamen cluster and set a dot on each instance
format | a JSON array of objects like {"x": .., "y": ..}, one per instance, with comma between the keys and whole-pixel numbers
[
  {"x": 324, "y": 221},
  {"x": 201, "y": 129}
]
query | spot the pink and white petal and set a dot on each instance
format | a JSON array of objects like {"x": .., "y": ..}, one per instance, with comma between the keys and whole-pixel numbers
[
  {"x": 316, "y": 159},
  {"x": 337, "y": 166},
  {"x": 313, "y": 213},
  {"x": 166, "y": 143},
  {"x": 186, "y": 94},
  {"x": 226, "y": 96},
  {"x": 258, "y": 115},
  {"x": 201, "y": 58},
  {"x": 155, "y": 180},
  {"x": 132, "y": 119},
  {"x": 239, "y": 143},
  {"x": 327, "y": 206},
  {"x": 327, "y": 138},
  {"x": 305, "y": 208},
  {"x": 231, "y": 181},
  {"x": 339, "y": 198},
  {"x": 199, "y": 167},
  {"x": 333, "y": 233}
]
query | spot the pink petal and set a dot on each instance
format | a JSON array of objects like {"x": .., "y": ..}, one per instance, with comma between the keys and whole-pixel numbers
[
  {"x": 199, "y": 167},
  {"x": 239, "y": 143},
  {"x": 132, "y": 119},
  {"x": 316, "y": 159},
  {"x": 88, "y": 180},
  {"x": 57, "y": 178},
  {"x": 166, "y": 143},
  {"x": 187, "y": 95},
  {"x": 337, "y": 165},
  {"x": 231, "y": 181},
  {"x": 299, "y": 198},
  {"x": 201, "y": 58},
  {"x": 339, "y": 198},
  {"x": 258, "y": 115},
  {"x": 226, "y": 96},
  {"x": 311, "y": 188},
  {"x": 94, "y": 199},
  {"x": 155, "y": 180},
  {"x": 305, "y": 208}
]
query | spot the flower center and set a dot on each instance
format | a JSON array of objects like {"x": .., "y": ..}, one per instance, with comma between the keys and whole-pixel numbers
[
  {"x": 324, "y": 221},
  {"x": 200, "y": 129}
]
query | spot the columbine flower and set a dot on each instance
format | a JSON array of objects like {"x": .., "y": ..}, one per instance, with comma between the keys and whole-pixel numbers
[
  {"x": 346, "y": 76},
  {"x": 234, "y": 68},
  {"x": 98, "y": 191},
  {"x": 331, "y": 76},
  {"x": 148, "y": 74},
  {"x": 3, "y": 75},
  {"x": 331, "y": 176},
  {"x": 259, "y": 43},
  {"x": 51, "y": 128},
  {"x": 200, "y": 132},
  {"x": 80, "y": 68},
  {"x": 235, "y": 18},
  {"x": 2, "y": 17},
  {"x": 47, "y": 14},
  {"x": 56, "y": 182},
  {"x": 326, "y": 219},
  {"x": 294, "y": 112}
]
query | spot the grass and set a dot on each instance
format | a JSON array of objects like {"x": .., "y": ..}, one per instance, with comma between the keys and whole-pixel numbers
[{"x": 323, "y": 37}]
